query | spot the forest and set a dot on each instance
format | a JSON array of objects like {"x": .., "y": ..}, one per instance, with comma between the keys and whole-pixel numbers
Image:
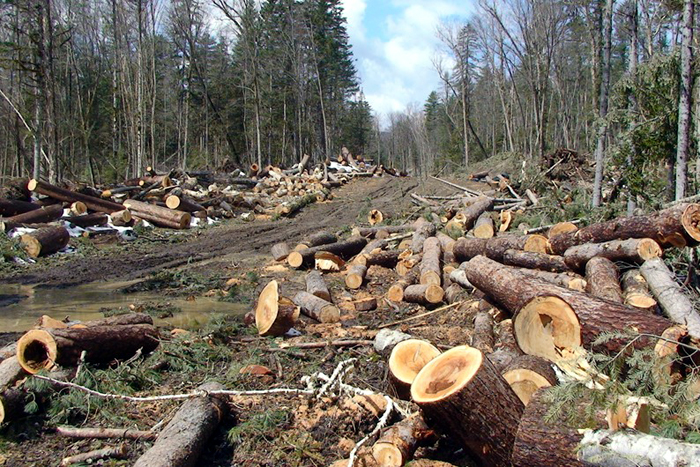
[{"x": 98, "y": 90}]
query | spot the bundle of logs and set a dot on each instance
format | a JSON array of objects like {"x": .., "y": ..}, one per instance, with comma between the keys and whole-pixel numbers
[
  {"x": 546, "y": 296},
  {"x": 166, "y": 200}
]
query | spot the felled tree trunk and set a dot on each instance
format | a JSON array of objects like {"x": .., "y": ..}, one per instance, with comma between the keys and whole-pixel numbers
[
  {"x": 495, "y": 248},
  {"x": 506, "y": 349},
  {"x": 570, "y": 280},
  {"x": 397, "y": 444},
  {"x": 319, "y": 238},
  {"x": 430, "y": 267},
  {"x": 274, "y": 315},
  {"x": 396, "y": 291},
  {"x": 424, "y": 229},
  {"x": 120, "y": 218},
  {"x": 41, "y": 349},
  {"x": 549, "y": 319},
  {"x": 532, "y": 260},
  {"x": 45, "y": 241},
  {"x": 280, "y": 251},
  {"x": 317, "y": 308},
  {"x": 355, "y": 276},
  {"x": 183, "y": 439},
  {"x": 159, "y": 215},
  {"x": 482, "y": 338},
  {"x": 12, "y": 402},
  {"x": 89, "y": 220},
  {"x": 635, "y": 290},
  {"x": 425, "y": 294},
  {"x": 345, "y": 249},
  {"x": 603, "y": 279},
  {"x": 10, "y": 372},
  {"x": 406, "y": 360},
  {"x": 93, "y": 203},
  {"x": 180, "y": 203},
  {"x": 527, "y": 373},
  {"x": 370, "y": 232},
  {"x": 484, "y": 227},
  {"x": 672, "y": 227},
  {"x": 633, "y": 250},
  {"x": 461, "y": 393},
  {"x": 12, "y": 207},
  {"x": 36, "y": 216},
  {"x": 384, "y": 258},
  {"x": 672, "y": 299},
  {"x": 472, "y": 212},
  {"x": 315, "y": 285}
]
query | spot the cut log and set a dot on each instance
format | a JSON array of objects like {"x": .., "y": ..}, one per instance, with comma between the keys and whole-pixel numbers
[
  {"x": 396, "y": 291},
  {"x": 635, "y": 290},
  {"x": 570, "y": 280},
  {"x": 673, "y": 301},
  {"x": 104, "y": 433},
  {"x": 561, "y": 228},
  {"x": 527, "y": 373},
  {"x": 455, "y": 227},
  {"x": 355, "y": 276},
  {"x": 430, "y": 266},
  {"x": 291, "y": 207},
  {"x": 37, "y": 216},
  {"x": 159, "y": 215},
  {"x": 406, "y": 264},
  {"x": 423, "y": 230},
  {"x": 673, "y": 227},
  {"x": 280, "y": 251},
  {"x": 120, "y": 218},
  {"x": 365, "y": 304},
  {"x": 315, "y": 285},
  {"x": 495, "y": 248},
  {"x": 182, "y": 204},
  {"x": 385, "y": 258},
  {"x": 477, "y": 207},
  {"x": 370, "y": 232},
  {"x": 12, "y": 402},
  {"x": 458, "y": 276},
  {"x": 78, "y": 208},
  {"x": 506, "y": 349},
  {"x": 12, "y": 207},
  {"x": 317, "y": 308},
  {"x": 406, "y": 360},
  {"x": 274, "y": 315},
  {"x": 45, "y": 241},
  {"x": 633, "y": 250},
  {"x": 10, "y": 372},
  {"x": 484, "y": 227},
  {"x": 454, "y": 293},
  {"x": 551, "y": 320},
  {"x": 603, "y": 279},
  {"x": 397, "y": 444},
  {"x": 89, "y": 220},
  {"x": 506, "y": 217},
  {"x": 375, "y": 216},
  {"x": 93, "y": 203},
  {"x": 183, "y": 439},
  {"x": 425, "y": 294},
  {"x": 328, "y": 262},
  {"x": 532, "y": 260},
  {"x": 42, "y": 349},
  {"x": 345, "y": 249},
  {"x": 319, "y": 238},
  {"x": 459, "y": 389},
  {"x": 482, "y": 339}
]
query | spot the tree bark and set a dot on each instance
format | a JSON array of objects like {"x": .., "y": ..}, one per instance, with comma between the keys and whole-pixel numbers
[
  {"x": 315, "y": 285},
  {"x": 430, "y": 267},
  {"x": 159, "y": 215},
  {"x": 320, "y": 238},
  {"x": 603, "y": 279},
  {"x": 45, "y": 241},
  {"x": 396, "y": 291},
  {"x": 532, "y": 260},
  {"x": 423, "y": 230},
  {"x": 345, "y": 249},
  {"x": 478, "y": 207},
  {"x": 482, "y": 338},
  {"x": 684, "y": 99},
  {"x": 633, "y": 250},
  {"x": 495, "y": 248},
  {"x": 93, "y": 203},
  {"x": 317, "y": 308}
]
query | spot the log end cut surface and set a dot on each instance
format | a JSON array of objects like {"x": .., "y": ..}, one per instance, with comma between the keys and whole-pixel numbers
[
  {"x": 446, "y": 375},
  {"x": 274, "y": 315},
  {"x": 409, "y": 357},
  {"x": 690, "y": 221},
  {"x": 547, "y": 326},
  {"x": 37, "y": 350}
]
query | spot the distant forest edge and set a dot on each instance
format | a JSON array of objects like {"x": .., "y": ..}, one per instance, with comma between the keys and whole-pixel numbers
[{"x": 100, "y": 89}]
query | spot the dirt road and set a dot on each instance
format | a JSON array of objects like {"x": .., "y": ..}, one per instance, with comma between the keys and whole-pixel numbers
[{"x": 237, "y": 241}]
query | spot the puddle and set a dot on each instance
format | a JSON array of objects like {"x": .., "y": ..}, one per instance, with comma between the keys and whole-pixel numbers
[{"x": 21, "y": 305}]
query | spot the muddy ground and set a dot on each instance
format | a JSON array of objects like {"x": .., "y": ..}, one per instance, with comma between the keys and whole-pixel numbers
[{"x": 232, "y": 260}]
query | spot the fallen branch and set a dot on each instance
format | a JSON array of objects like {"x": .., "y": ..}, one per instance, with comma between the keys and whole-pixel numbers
[
  {"x": 88, "y": 457},
  {"x": 101, "y": 433},
  {"x": 427, "y": 313}
]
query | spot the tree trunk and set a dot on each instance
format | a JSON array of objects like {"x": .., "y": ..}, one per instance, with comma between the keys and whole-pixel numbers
[
  {"x": 11, "y": 207},
  {"x": 159, "y": 215},
  {"x": 370, "y": 232},
  {"x": 44, "y": 241},
  {"x": 472, "y": 212},
  {"x": 532, "y": 260},
  {"x": 37, "y": 216},
  {"x": 633, "y": 250},
  {"x": 183, "y": 439},
  {"x": 603, "y": 279},
  {"x": 397, "y": 291},
  {"x": 317, "y": 308},
  {"x": 345, "y": 249},
  {"x": 423, "y": 230},
  {"x": 430, "y": 267},
  {"x": 495, "y": 248},
  {"x": 315, "y": 285},
  {"x": 93, "y": 203},
  {"x": 684, "y": 100},
  {"x": 319, "y": 238}
]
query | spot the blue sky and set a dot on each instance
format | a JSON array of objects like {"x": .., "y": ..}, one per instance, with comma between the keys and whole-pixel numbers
[{"x": 394, "y": 43}]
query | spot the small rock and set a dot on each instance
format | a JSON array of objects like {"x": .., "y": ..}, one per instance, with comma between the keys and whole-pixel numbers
[{"x": 387, "y": 339}]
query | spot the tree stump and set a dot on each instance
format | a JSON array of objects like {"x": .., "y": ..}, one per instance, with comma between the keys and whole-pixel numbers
[{"x": 274, "y": 315}]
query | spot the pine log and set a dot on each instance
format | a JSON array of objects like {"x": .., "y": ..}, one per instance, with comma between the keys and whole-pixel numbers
[
  {"x": 461, "y": 393},
  {"x": 406, "y": 360},
  {"x": 10, "y": 372},
  {"x": 423, "y": 230},
  {"x": 455, "y": 227},
  {"x": 315, "y": 285},
  {"x": 159, "y": 215},
  {"x": 603, "y": 279},
  {"x": 317, "y": 308},
  {"x": 484, "y": 227},
  {"x": 430, "y": 267},
  {"x": 182, "y": 204},
  {"x": 506, "y": 349},
  {"x": 397, "y": 444},
  {"x": 384, "y": 258},
  {"x": 477, "y": 207},
  {"x": 425, "y": 294},
  {"x": 37, "y": 216},
  {"x": 78, "y": 208},
  {"x": 45, "y": 241},
  {"x": 319, "y": 238},
  {"x": 365, "y": 304},
  {"x": 274, "y": 315},
  {"x": 345, "y": 249},
  {"x": 93, "y": 203},
  {"x": 570, "y": 280},
  {"x": 633, "y": 250},
  {"x": 532, "y": 260},
  {"x": 454, "y": 293},
  {"x": 370, "y": 232},
  {"x": 41, "y": 349},
  {"x": 495, "y": 248},
  {"x": 406, "y": 264},
  {"x": 291, "y": 207},
  {"x": 561, "y": 228},
  {"x": 120, "y": 218},
  {"x": 482, "y": 338},
  {"x": 673, "y": 301},
  {"x": 635, "y": 290},
  {"x": 396, "y": 291},
  {"x": 549, "y": 319},
  {"x": 527, "y": 373},
  {"x": 673, "y": 227},
  {"x": 280, "y": 251},
  {"x": 12, "y": 402},
  {"x": 328, "y": 262},
  {"x": 459, "y": 276},
  {"x": 125, "y": 319},
  {"x": 12, "y": 207},
  {"x": 183, "y": 439},
  {"x": 89, "y": 220},
  {"x": 355, "y": 276}
]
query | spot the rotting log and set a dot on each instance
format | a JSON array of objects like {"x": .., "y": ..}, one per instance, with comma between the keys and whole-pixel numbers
[
  {"x": 42, "y": 349},
  {"x": 274, "y": 315},
  {"x": 484, "y": 227},
  {"x": 317, "y": 308},
  {"x": 37, "y": 216},
  {"x": 45, "y": 241},
  {"x": 482, "y": 338},
  {"x": 425, "y": 294},
  {"x": 532, "y": 260},
  {"x": 345, "y": 249},
  {"x": 461, "y": 388},
  {"x": 397, "y": 443},
  {"x": 396, "y": 291},
  {"x": 93, "y": 203},
  {"x": 355, "y": 276},
  {"x": 406, "y": 360},
  {"x": 603, "y": 279},
  {"x": 528, "y": 373},
  {"x": 635, "y": 290},
  {"x": 423, "y": 230},
  {"x": 673, "y": 227},
  {"x": 280, "y": 251},
  {"x": 430, "y": 266},
  {"x": 13, "y": 207},
  {"x": 159, "y": 215},
  {"x": 673, "y": 301},
  {"x": 183, "y": 439},
  {"x": 550, "y": 320},
  {"x": 633, "y": 250},
  {"x": 315, "y": 285}
]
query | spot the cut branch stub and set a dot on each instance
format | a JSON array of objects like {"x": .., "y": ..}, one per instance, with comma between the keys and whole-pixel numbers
[
  {"x": 406, "y": 360},
  {"x": 461, "y": 392},
  {"x": 274, "y": 315}
]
